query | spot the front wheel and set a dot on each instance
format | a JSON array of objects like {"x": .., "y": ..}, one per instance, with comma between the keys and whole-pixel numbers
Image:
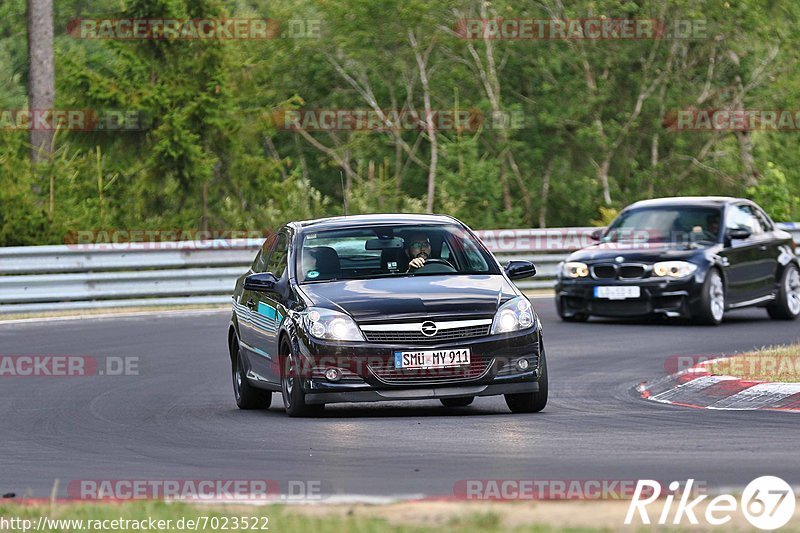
[
  {"x": 530, "y": 402},
  {"x": 294, "y": 399},
  {"x": 712, "y": 300},
  {"x": 787, "y": 302}
]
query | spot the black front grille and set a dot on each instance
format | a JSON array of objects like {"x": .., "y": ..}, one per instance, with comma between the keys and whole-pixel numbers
[
  {"x": 386, "y": 372},
  {"x": 417, "y": 337},
  {"x": 604, "y": 271},
  {"x": 631, "y": 271},
  {"x": 620, "y": 308}
]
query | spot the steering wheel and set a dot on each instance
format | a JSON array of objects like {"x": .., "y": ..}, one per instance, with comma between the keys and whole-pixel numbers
[{"x": 439, "y": 265}]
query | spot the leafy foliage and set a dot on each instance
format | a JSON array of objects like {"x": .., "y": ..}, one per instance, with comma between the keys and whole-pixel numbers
[{"x": 588, "y": 125}]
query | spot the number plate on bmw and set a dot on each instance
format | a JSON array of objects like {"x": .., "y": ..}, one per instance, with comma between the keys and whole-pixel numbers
[
  {"x": 432, "y": 358},
  {"x": 617, "y": 293}
]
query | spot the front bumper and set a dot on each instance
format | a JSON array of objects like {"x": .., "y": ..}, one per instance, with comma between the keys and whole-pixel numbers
[
  {"x": 449, "y": 391},
  {"x": 672, "y": 298},
  {"x": 368, "y": 372}
]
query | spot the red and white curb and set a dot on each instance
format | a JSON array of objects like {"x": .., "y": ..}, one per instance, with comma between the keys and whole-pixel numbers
[{"x": 696, "y": 387}]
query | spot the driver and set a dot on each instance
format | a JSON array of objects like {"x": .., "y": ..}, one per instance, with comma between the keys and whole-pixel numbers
[
  {"x": 711, "y": 229},
  {"x": 418, "y": 250}
]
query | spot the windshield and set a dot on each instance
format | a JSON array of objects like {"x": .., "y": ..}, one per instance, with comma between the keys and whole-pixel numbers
[
  {"x": 671, "y": 224},
  {"x": 390, "y": 251}
]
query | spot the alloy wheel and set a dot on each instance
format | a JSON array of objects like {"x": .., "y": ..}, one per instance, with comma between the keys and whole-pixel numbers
[
  {"x": 793, "y": 291},
  {"x": 717, "y": 297}
]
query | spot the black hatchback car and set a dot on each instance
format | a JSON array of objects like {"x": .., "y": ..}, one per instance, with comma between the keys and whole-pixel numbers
[
  {"x": 383, "y": 307},
  {"x": 691, "y": 257}
]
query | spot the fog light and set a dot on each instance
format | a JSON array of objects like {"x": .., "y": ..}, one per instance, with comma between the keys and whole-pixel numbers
[
  {"x": 522, "y": 364},
  {"x": 333, "y": 374}
]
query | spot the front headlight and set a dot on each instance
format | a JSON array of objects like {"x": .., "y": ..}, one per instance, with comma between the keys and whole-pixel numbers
[
  {"x": 331, "y": 325},
  {"x": 514, "y": 315},
  {"x": 573, "y": 269},
  {"x": 674, "y": 269}
]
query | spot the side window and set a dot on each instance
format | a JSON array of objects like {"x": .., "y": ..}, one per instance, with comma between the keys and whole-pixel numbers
[
  {"x": 764, "y": 220},
  {"x": 740, "y": 216},
  {"x": 259, "y": 262},
  {"x": 277, "y": 259},
  {"x": 446, "y": 253}
]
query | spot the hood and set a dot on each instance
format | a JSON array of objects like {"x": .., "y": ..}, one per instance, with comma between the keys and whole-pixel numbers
[
  {"x": 412, "y": 297},
  {"x": 637, "y": 252}
]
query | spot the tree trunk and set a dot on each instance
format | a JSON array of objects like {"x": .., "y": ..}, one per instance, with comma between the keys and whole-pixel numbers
[
  {"x": 429, "y": 126},
  {"x": 41, "y": 83},
  {"x": 746, "y": 153},
  {"x": 602, "y": 177},
  {"x": 545, "y": 194}
]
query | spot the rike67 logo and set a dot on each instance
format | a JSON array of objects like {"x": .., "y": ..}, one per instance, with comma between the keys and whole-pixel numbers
[{"x": 767, "y": 502}]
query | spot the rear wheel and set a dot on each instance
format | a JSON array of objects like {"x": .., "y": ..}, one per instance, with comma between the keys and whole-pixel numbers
[
  {"x": 457, "y": 402},
  {"x": 247, "y": 396},
  {"x": 787, "y": 302},
  {"x": 712, "y": 300},
  {"x": 530, "y": 402},
  {"x": 294, "y": 399}
]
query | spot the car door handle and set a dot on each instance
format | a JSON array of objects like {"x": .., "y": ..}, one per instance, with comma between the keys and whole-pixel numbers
[{"x": 251, "y": 304}]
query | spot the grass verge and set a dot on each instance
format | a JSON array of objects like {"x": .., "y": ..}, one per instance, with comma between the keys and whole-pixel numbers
[{"x": 773, "y": 363}]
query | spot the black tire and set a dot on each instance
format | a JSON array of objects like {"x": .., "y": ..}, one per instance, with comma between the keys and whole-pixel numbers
[
  {"x": 787, "y": 301},
  {"x": 294, "y": 399},
  {"x": 530, "y": 402},
  {"x": 712, "y": 300},
  {"x": 457, "y": 402},
  {"x": 578, "y": 317},
  {"x": 247, "y": 396}
]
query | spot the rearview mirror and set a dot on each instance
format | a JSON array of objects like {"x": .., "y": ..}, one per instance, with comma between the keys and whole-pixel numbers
[
  {"x": 739, "y": 233},
  {"x": 384, "y": 244},
  {"x": 263, "y": 281},
  {"x": 597, "y": 234},
  {"x": 520, "y": 269}
]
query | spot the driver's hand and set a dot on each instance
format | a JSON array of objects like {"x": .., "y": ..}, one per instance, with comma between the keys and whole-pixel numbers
[{"x": 417, "y": 262}]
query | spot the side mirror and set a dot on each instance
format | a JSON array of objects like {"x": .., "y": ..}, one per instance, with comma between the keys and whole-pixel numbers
[
  {"x": 738, "y": 233},
  {"x": 263, "y": 281},
  {"x": 597, "y": 234},
  {"x": 520, "y": 269}
]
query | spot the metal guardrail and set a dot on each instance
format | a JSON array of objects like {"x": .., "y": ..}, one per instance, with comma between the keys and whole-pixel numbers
[{"x": 61, "y": 277}]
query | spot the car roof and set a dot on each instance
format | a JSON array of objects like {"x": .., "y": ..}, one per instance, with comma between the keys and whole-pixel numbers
[
  {"x": 701, "y": 201},
  {"x": 369, "y": 220}
]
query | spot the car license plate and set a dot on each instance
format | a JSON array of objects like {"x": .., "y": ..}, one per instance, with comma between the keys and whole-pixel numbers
[
  {"x": 617, "y": 293},
  {"x": 432, "y": 358}
]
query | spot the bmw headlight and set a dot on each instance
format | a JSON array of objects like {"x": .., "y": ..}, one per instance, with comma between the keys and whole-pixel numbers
[
  {"x": 514, "y": 315},
  {"x": 674, "y": 269},
  {"x": 574, "y": 269},
  {"x": 331, "y": 325}
]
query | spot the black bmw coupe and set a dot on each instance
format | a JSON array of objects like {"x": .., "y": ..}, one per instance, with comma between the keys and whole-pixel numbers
[
  {"x": 383, "y": 307},
  {"x": 692, "y": 257}
]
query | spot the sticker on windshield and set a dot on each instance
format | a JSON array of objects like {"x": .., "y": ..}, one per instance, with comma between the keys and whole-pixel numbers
[
  {"x": 312, "y": 274},
  {"x": 392, "y": 265}
]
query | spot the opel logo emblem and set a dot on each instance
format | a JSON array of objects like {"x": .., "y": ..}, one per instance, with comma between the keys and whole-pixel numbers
[{"x": 429, "y": 328}]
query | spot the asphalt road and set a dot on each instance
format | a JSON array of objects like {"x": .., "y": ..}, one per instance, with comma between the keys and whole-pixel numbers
[{"x": 177, "y": 418}]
